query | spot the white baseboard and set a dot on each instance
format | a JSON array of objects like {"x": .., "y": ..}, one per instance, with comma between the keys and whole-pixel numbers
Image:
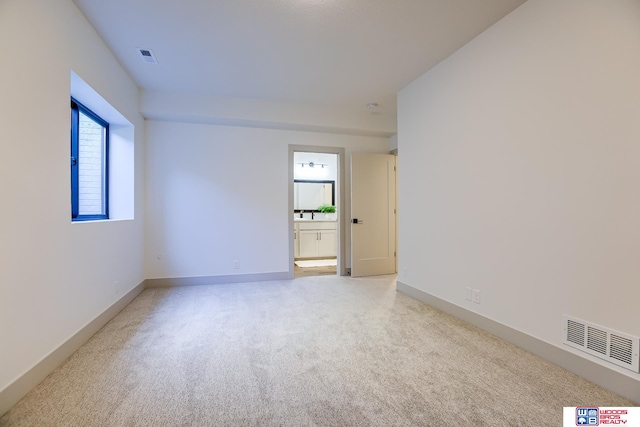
[
  {"x": 216, "y": 280},
  {"x": 601, "y": 375},
  {"x": 25, "y": 383},
  {"x": 605, "y": 377},
  {"x": 15, "y": 391}
]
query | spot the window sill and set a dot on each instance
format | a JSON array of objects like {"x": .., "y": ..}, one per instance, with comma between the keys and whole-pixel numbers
[{"x": 93, "y": 221}]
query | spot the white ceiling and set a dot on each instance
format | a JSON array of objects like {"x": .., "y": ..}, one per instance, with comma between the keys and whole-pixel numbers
[{"x": 343, "y": 53}]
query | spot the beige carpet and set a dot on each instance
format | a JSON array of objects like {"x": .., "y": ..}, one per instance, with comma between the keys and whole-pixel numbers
[{"x": 317, "y": 351}]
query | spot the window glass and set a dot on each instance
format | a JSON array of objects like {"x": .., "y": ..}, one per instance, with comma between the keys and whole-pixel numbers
[
  {"x": 89, "y": 164},
  {"x": 91, "y": 167}
]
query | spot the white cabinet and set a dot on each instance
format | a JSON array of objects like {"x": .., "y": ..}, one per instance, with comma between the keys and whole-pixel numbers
[
  {"x": 308, "y": 244},
  {"x": 327, "y": 243},
  {"x": 316, "y": 239}
]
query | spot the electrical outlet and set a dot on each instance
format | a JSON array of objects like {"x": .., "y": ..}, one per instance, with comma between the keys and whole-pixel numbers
[
  {"x": 236, "y": 264},
  {"x": 467, "y": 293},
  {"x": 475, "y": 296}
]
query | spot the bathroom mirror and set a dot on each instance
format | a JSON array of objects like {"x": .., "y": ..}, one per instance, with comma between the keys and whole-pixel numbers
[{"x": 308, "y": 195}]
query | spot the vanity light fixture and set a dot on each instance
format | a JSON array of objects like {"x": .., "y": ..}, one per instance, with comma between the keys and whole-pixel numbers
[{"x": 311, "y": 164}]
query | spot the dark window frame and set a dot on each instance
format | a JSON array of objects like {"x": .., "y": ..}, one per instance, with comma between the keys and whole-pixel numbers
[{"x": 76, "y": 108}]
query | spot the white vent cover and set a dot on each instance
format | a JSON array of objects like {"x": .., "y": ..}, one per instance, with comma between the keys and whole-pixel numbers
[
  {"x": 147, "y": 56},
  {"x": 612, "y": 346}
]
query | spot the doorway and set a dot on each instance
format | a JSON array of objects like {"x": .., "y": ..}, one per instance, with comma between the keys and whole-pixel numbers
[{"x": 316, "y": 211}]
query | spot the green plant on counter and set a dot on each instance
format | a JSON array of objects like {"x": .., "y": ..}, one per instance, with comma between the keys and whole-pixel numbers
[{"x": 327, "y": 208}]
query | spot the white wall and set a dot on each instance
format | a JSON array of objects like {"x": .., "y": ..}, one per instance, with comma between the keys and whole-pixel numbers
[
  {"x": 393, "y": 142},
  {"x": 55, "y": 276},
  {"x": 219, "y": 193},
  {"x": 519, "y": 170},
  {"x": 202, "y": 108}
]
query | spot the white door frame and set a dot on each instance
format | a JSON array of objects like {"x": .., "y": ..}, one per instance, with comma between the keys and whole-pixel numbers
[{"x": 340, "y": 196}]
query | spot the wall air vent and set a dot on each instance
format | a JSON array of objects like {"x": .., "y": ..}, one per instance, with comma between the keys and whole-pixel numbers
[
  {"x": 613, "y": 346},
  {"x": 147, "y": 56}
]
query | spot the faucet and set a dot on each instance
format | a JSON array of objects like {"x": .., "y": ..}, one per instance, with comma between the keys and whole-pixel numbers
[
  {"x": 301, "y": 214},
  {"x": 312, "y": 214}
]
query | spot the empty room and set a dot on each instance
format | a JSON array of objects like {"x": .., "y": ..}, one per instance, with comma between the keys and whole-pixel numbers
[{"x": 319, "y": 212}]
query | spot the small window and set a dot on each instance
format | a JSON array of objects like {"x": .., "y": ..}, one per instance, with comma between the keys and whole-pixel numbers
[{"x": 89, "y": 164}]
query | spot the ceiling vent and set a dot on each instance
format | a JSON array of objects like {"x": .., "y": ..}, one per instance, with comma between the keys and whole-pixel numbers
[
  {"x": 604, "y": 343},
  {"x": 147, "y": 56}
]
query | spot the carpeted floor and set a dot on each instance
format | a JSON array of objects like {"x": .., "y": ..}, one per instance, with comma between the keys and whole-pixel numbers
[{"x": 325, "y": 351}]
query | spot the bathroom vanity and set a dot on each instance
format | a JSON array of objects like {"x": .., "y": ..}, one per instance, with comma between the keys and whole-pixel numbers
[{"x": 315, "y": 238}]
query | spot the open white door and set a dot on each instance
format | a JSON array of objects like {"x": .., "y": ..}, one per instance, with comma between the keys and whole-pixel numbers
[{"x": 373, "y": 220}]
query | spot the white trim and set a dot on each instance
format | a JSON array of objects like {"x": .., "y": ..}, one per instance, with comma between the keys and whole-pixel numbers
[
  {"x": 214, "y": 280},
  {"x": 605, "y": 377},
  {"x": 33, "y": 376}
]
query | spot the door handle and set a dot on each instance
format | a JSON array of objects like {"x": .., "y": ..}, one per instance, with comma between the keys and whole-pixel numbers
[{"x": 357, "y": 221}]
